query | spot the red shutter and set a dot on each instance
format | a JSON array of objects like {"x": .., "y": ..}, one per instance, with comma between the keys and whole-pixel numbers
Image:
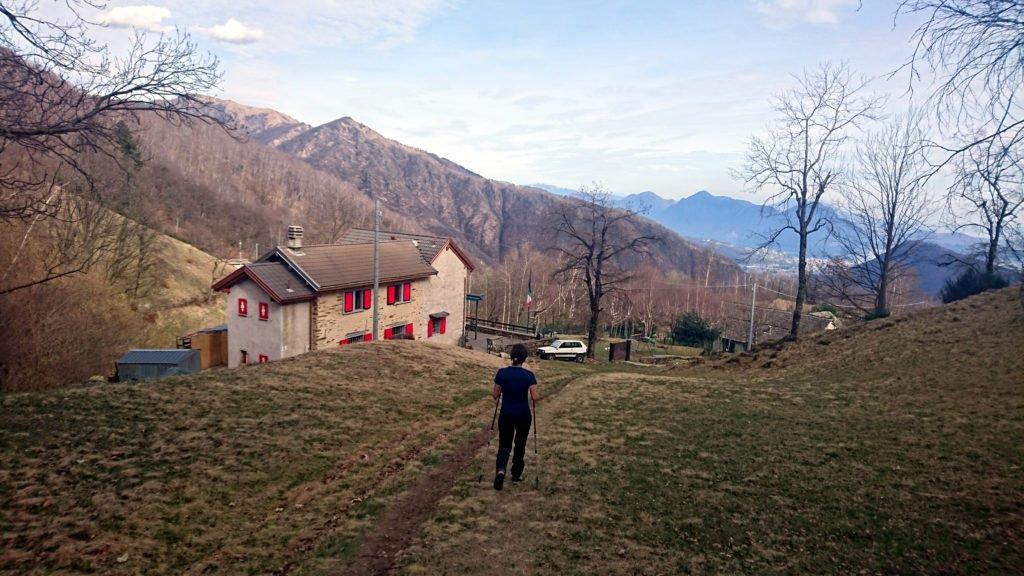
[
  {"x": 407, "y": 292},
  {"x": 392, "y": 294},
  {"x": 349, "y": 301},
  {"x": 243, "y": 307},
  {"x": 444, "y": 322},
  {"x": 367, "y": 299},
  {"x": 408, "y": 329},
  {"x": 368, "y": 337},
  {"x": 430, "y": 326},
  {"x": 264, "y": 311},
  {"x": 264, "y": 359},
  {"x": 387, "y": 333}
]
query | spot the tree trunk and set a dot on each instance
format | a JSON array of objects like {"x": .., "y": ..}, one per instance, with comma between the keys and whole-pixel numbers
[
  {"x": 801, "y": 284},
  {"x": 595, "y": 313},
  {"x": 882, "y": 297},
  {"x": 993, "y": 251}
]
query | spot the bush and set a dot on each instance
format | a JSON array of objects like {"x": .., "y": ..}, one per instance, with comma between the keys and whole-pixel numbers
[
  {"x": 826, "y": 307},
  {"x": 692, "y": 330},
  {"x": 969, "y": 283}
]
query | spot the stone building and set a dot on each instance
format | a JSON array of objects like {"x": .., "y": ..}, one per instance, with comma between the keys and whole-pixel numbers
[{"x": 297, "y": 298}]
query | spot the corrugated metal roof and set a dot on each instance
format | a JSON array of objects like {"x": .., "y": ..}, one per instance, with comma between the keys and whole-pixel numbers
[
  {"x": 156, "y": 356},
  {"x": 429, "y": 246},
  {"x": 337, "y": 266}
]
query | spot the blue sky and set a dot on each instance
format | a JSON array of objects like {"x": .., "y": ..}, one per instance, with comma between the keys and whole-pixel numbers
[{"x": 637, "y": 95}]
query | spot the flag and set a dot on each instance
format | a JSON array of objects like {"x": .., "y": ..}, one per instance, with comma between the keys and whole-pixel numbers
[{"x": 529, "y": 292}]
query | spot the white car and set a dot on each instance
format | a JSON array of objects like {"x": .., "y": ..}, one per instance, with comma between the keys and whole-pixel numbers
[{"x": 566, "y": 349}]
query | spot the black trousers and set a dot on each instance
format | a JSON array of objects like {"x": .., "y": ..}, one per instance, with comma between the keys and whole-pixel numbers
[{"x": 513, "y": 429}]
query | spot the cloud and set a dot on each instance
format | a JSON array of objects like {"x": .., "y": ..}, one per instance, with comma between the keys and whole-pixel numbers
[
  {"x": 144, "y": 17},
  {"x": 787, "y": 12},
  {"x": 303, "y": 25},
  {"x": 233, "y": 32}
]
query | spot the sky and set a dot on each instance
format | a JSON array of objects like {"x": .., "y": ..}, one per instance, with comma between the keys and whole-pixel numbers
[{"x": 636, "y": 95}]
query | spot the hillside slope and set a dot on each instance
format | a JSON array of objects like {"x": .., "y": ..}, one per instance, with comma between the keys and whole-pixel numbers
[
  {"x": 72, "y": 328},
  {"x": 971, "y": 340},
  {"x": 895, "y": 448},
  {"x": 263, "y": 469}
]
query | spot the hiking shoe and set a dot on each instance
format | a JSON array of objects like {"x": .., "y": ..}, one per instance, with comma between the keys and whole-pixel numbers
[
  {"x": 499, "y": 480},
  {"x": 517, "y": 479}
]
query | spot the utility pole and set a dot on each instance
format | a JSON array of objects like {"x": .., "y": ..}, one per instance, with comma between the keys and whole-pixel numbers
[
  {"x": 750, "y": 334},
  {"x": 376, "y": 265}
]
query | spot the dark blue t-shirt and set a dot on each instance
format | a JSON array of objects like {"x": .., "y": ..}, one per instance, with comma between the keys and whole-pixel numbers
[{"x": 515, "y": 382}]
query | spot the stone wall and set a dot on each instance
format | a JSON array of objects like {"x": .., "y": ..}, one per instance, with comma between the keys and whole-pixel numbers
[
  {"x": 334, "y": 325},
  {"x": 446, "y": 292}
]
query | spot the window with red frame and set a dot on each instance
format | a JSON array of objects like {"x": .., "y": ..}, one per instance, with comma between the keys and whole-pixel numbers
[
  {"x": 264, "y": 311},
  {"x": 356, "y": 300},
  {"x": 398, "y": 293},
  {"x": 436, "y": 325},
  {"x": 264, "y": 359},
  {"x": 243, "y": 307},
  {"x": 354, "y": 339}
]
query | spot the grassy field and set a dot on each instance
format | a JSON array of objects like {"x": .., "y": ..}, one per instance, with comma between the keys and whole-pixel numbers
[
  {"x": 895, "y": 447},
  {"x": 230, "y": 471}
]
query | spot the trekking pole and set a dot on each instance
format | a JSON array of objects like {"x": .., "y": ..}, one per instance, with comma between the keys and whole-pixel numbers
[
  {"x": 536, "y": 453},
  {"x": 491, "y": 435}
]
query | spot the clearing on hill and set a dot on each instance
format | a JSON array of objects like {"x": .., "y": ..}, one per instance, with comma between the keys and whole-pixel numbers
[{"x": 894, "y": 447}]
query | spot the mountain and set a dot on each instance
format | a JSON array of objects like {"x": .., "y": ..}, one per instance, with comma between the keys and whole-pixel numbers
[
  {"x": 492, "y": 219},
  {"x": 265, "y": 125},
  {"x": 558, "y": 190},
  {"x": 646, "y": 202}
]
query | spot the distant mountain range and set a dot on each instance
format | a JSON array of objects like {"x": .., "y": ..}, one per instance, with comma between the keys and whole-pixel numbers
[
  {"x": 229, "y": 194},
  {"x": 733, "y": 227}
]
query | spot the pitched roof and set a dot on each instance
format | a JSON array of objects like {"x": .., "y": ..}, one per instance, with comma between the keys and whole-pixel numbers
[
  {"x": 338, "y": 266},
  {"x": 156, "y": 356},
  {"x": 429, "y": 246},
  {"x": 279, "y": 281}
]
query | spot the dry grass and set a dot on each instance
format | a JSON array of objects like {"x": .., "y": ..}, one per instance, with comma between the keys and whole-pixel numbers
[
  {"x": 893, "y": 448},
  {"x": 249, "y": 470}
]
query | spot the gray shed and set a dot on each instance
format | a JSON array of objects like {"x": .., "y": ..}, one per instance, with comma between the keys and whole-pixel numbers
[{"x": 145, "y": 364}]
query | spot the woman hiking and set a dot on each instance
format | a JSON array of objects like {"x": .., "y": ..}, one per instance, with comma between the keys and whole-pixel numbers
[{"x": 517, "y": 385}]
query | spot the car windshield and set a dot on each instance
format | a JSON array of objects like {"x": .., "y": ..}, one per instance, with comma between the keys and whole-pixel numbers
[{"x": 556, "y": 344}]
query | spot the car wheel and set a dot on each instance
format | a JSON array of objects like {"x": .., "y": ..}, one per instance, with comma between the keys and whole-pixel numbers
[{"x": 580, "y": 358}]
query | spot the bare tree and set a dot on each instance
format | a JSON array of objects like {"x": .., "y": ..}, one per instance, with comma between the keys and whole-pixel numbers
[
  {"x": 594, "y": 239},
  {"x": 988, "y": 191},
  {"x": 65, "y": 98},
  {"x": 887, "y": 206},
  {"x": 798, "y": 162},
  {"x": 975, "y": 49}
]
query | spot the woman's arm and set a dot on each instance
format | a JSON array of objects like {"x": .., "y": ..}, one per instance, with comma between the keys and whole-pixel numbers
[
  {"x": 496, "y": 391},
  {"x": 533, "y": 393}
]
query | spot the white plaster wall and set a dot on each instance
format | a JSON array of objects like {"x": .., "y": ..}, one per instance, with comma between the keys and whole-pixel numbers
[{"x": 249, "y": 333}]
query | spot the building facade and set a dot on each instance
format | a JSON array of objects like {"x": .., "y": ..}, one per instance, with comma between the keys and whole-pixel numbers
[{"x": 296, "y": 298}]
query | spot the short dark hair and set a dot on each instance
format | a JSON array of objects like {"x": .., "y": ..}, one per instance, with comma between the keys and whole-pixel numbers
[{"x": 519, "y": 354}]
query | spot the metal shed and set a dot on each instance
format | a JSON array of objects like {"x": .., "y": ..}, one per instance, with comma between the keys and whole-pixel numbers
[{"x": 145, "y": 364}]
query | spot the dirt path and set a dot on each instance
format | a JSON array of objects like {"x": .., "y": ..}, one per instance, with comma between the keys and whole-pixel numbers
[{"x": 401, "y": 522}]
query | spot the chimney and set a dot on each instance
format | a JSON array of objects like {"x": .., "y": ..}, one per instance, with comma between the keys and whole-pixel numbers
[{"x": 295, "y": 237}]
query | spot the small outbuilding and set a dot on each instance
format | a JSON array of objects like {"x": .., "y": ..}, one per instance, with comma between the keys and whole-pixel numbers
[{"x": 146, "y": 364}]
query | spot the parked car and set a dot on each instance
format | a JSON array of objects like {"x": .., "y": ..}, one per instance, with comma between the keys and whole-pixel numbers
[{"x": 565, "y": 349}]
